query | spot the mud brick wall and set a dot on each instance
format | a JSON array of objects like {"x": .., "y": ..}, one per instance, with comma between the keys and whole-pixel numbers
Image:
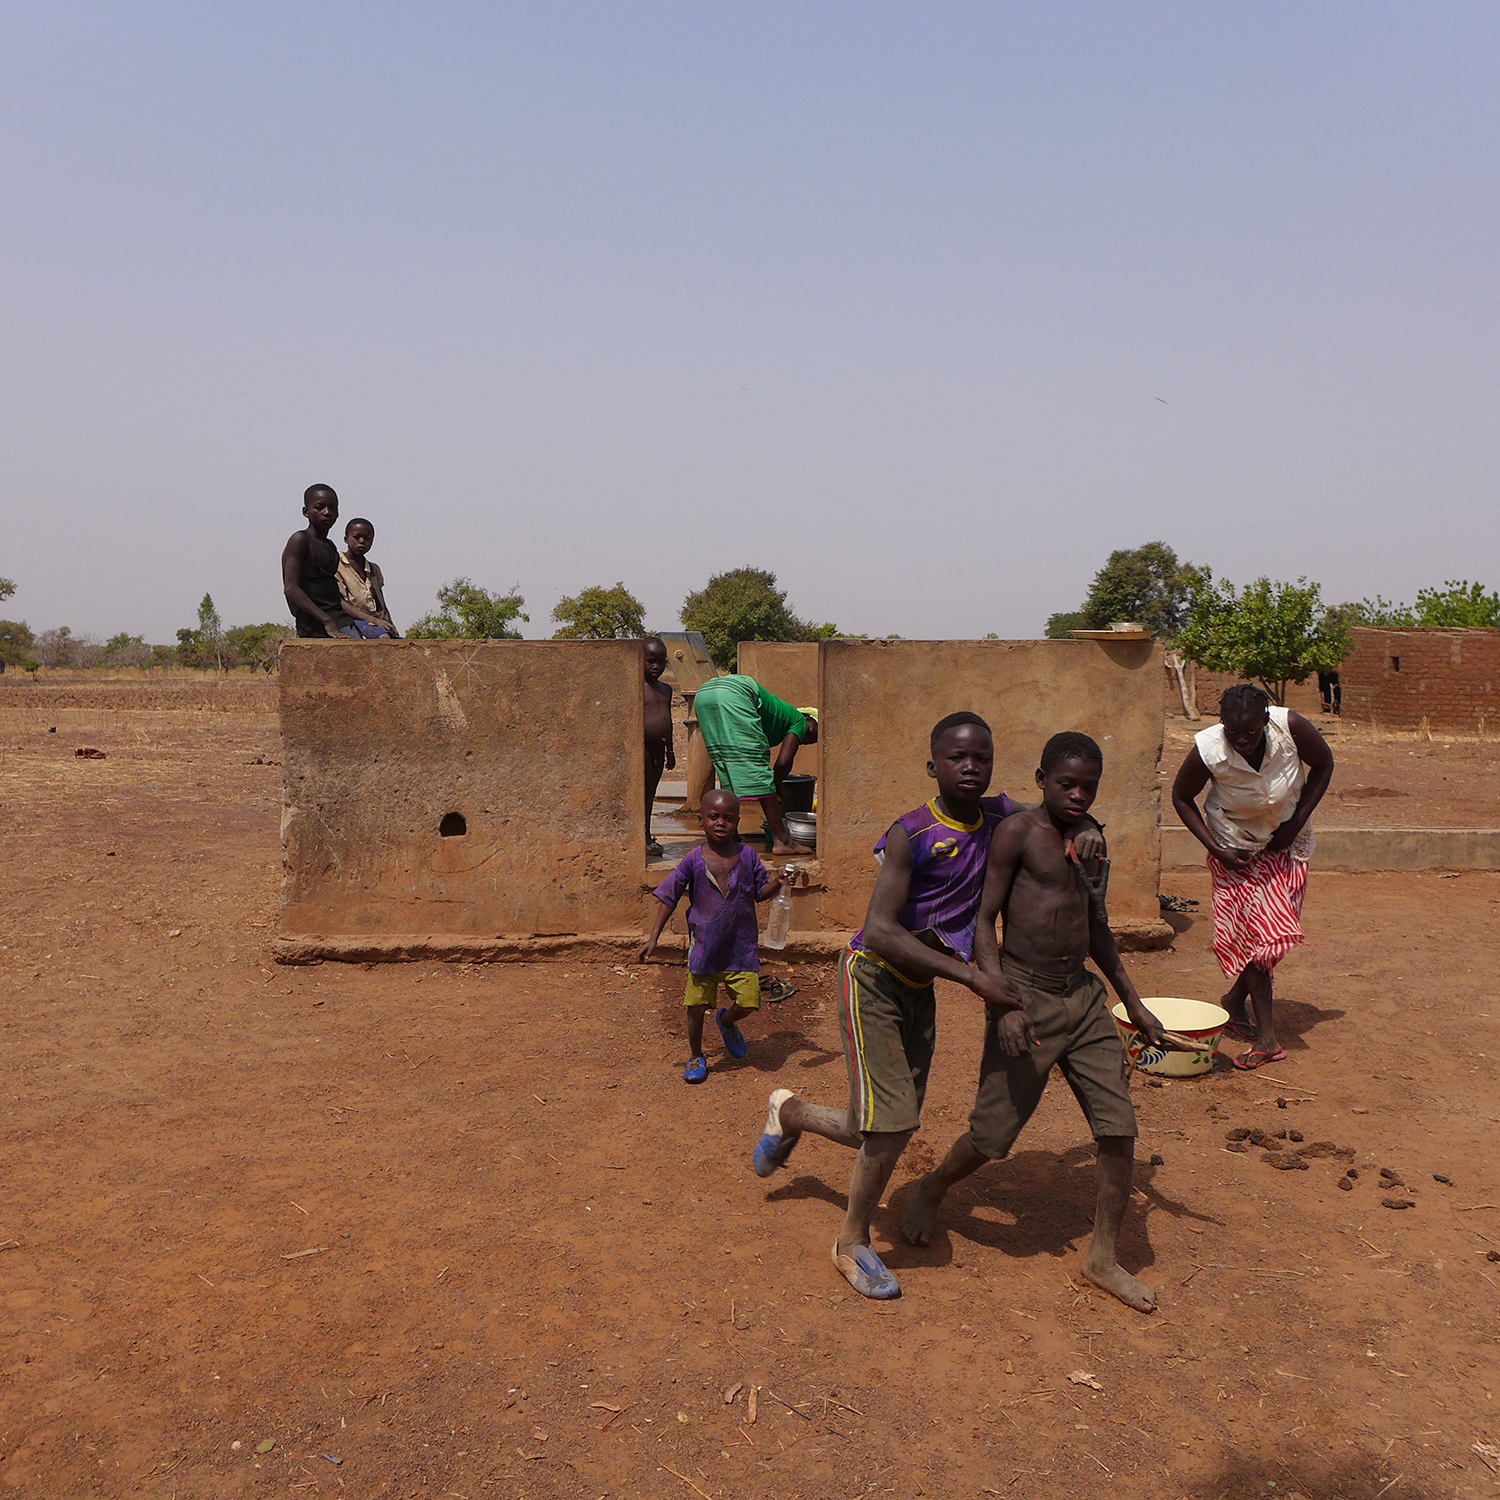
[
  {"x": 536, "y": 745},
  {"x": 1397, "y": 678},
  {"x": 881, "y": 699}
]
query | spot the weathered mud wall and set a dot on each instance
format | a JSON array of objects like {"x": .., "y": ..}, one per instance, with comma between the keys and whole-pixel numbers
[
  {"x": 1397, "y": 678},
  {"x": 881, "y": 699},
  {"x": 536, "y": 746}
]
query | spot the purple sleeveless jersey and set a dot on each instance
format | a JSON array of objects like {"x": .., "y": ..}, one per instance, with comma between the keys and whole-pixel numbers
[{"x": 947, "y": 873}]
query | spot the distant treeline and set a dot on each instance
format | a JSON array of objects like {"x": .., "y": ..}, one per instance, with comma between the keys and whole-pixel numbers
[{"x": 209, "y": 644}]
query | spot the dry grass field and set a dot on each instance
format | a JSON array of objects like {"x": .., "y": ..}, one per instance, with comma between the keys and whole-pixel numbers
[{"x": 435, "y": 1230}]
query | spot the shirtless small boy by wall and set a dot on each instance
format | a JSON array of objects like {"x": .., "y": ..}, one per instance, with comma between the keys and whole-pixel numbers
[
  {"x": 1059, "y": 1015},
  {"x": 658, "y": 716}
]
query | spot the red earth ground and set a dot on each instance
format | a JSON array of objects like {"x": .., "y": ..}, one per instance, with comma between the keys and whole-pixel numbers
[{"x": 541, "y": 1262}]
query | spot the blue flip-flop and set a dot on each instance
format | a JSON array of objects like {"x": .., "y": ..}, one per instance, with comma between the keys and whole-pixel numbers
[
  {"x": 696, "y": 1071},
  {"x": 775, "y": 1145},
  {"x": 867, "y": 1274},
  {"x": 734, "y": 1040}
]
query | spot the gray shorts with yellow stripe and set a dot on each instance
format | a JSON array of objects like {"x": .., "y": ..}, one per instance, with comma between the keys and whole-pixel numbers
[{"x": 889, "y": 1027}]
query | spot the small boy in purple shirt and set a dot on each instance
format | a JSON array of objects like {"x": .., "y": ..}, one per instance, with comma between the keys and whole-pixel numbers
[{"x": 723, "y": 879}]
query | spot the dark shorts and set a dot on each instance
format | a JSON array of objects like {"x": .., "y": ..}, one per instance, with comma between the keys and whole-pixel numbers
[
  {"x": 889, "y": 1029},
  {"x": 1075, "y": 1031}
]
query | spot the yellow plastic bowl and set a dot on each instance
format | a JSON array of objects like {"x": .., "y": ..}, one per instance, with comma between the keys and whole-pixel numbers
[{"x": 1192, "y": 1018}]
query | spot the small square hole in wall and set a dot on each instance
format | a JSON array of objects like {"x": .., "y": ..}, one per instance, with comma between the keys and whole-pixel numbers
[
  {"x": 453, "y": 826},
  {"x": 1395, "y": 664}
]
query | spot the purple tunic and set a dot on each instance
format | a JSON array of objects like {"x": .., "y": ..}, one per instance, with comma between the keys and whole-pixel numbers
[
  {"x": 724, "y": 937},
  {"x": 948, "y": 861}
]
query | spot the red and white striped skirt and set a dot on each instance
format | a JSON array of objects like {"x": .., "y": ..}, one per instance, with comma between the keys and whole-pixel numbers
[{"x": 1257, "y": 911}]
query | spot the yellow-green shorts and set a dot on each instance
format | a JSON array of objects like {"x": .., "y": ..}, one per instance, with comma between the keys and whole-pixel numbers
[{"x": 743, "y": 987}]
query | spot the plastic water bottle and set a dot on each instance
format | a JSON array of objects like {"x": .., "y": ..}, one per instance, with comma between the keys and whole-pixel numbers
[{"x": 779, "y": 923}]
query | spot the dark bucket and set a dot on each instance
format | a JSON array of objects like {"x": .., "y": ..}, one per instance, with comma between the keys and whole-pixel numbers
[{"x": 797, "y": 793}]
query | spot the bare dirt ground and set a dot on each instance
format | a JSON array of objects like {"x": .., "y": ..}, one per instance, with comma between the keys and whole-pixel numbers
[{"x": 541, "y": 1261}]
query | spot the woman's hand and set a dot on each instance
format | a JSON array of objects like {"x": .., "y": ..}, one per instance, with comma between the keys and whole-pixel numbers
[
  {"x": 1233, "y": 859},
  {"x": 1285, "y": 836}
]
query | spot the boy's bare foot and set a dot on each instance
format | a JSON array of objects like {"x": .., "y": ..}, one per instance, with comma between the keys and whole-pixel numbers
[
  {"x": 1118, "y": 1282},
  {"x": 921, "y": 1212}
]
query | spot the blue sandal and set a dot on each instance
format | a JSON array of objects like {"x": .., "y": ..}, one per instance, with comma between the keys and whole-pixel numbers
[
  {"x": 867, "y": 1273},
  {"x": 775, "y": 1144},
  {"x": 734, "y": 1040},
  {"x": 696, "y": 1071}
]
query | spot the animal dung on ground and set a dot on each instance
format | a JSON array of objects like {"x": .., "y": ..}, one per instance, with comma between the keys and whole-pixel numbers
[
  {"x": 1239, "y": 1133},
  {"x": 1353, "y": 1174},
  {"x": 1398, "y": 1203},
  {"x": 1446, "y": 1181},
  {"x": 1346, "y": 1185},
  {"x": 1294, "y": 1135},
  {"x": 1319, "y": 1149},
  {"x": 89, "y": 752},
  {"x": 1157, "y": 1159},
  {"x": 1284, "y": 1161},
  {"x": 1492, "y": 1255}
]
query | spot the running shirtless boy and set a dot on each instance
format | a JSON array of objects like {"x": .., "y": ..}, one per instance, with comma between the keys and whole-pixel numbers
[{"x": 1060, "y": 1016}]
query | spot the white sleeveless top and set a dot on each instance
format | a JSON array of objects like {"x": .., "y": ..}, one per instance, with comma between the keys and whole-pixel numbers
[{"x": 1245, "y": 806}]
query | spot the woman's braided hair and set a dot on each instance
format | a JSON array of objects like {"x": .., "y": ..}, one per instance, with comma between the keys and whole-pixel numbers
[{"x": 1244, "y": 700}]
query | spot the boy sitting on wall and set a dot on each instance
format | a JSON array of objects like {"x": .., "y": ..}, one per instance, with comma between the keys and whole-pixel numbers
[
  {"x": 361, "y": 584},
  {"x": 1052, "y": 1009},
  {"x": 723, "y": 879}
]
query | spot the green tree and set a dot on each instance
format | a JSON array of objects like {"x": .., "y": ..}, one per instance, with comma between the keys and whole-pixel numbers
[
  {"x": 600, "y": 614},
  {"x": 1459, "y": 604},
  {"x": 7, "y": 588},
  {"x": 1379, "y": 612},
  {"x": 257, "y": 645},
  {"x": 1273, "y": 632},
  {"x": 211, "y": 631},
  {"x": 1145, "y": 583},
  {"x": 745, "y": 605},
  {"x": 468, "y": 612},
  {"x": 16, "y": 641},
  {"x": 124, "y": 650}
]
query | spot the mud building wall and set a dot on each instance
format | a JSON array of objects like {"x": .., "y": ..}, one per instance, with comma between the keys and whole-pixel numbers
[
  {"x": 1398, "y": 678},
  {"x": 881, "y": 699},
  {"x": 538, "y": 746}
]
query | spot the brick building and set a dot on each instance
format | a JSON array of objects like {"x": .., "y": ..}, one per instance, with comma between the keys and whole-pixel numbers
[{"x": 1397, "y": 678}]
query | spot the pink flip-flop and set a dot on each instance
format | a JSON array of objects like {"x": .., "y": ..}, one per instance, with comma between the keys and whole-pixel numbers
[
  {"x": 1248, "y": 1062},
  {"x": 1241, "y": 1031}
]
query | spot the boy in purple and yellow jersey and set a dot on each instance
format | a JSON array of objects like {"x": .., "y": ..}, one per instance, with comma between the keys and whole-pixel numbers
[{"x": 920, "y": 926}]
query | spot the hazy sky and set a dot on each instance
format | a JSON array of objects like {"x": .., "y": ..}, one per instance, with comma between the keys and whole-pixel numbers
[{"x": 926, "y": 308}]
